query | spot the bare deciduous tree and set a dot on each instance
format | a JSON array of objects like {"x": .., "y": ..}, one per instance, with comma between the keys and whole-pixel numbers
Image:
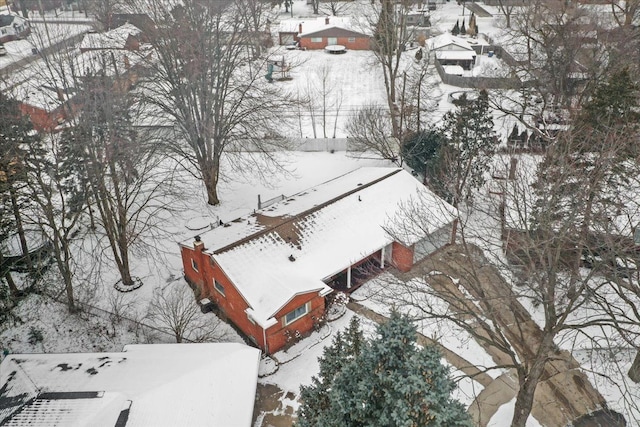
[
  {"x": 207, "y": 82},
  {"x": 371, "y": 133},
  {"x": 390, "y": 39},
  {"x": 565, "y": 222},
  {"x": 174, "y": 310}
]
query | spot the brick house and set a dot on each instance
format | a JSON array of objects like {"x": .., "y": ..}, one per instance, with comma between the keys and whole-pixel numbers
[
  {"x": 50, "y": 101},
  {"x": 322, "y": 32},
  {"x": 269, "y": 272}
]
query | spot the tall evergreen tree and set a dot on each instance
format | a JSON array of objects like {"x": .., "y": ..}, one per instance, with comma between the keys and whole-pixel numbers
[
  {"x": 456, "y": 29},
  {"x": 390, "y": 382},
  {"x": 464, "y": 158},
  {"x": 420, "y": 149},
  {"x": 16, "y": 138},
  {"x": 315, "y": 397}
]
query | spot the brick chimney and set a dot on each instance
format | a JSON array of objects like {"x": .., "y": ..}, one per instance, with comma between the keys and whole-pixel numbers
[
  {"x": 300, "y": 28},
  {"x": 326, "y": 20},
  {"x": 198, "y": 245}
]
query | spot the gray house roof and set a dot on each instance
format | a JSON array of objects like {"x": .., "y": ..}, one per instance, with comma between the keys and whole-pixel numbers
[{"x": 333, "y": 32}]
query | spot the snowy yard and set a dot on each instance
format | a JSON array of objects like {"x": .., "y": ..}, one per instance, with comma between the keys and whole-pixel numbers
[{"x": 337, "y": 85}]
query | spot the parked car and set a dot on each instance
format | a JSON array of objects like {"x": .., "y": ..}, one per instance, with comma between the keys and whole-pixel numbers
[{"x": 3, "y": 51}]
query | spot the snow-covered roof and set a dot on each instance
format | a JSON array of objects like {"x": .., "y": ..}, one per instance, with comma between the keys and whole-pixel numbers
[
  {"x": 450, "y": 41},
  {"x": 159, "y": 384},
  {"x": 110, "y": 61},
  {"x": 311, "y": 25},
  {"x": 8, "y": 19},
  {"x": 112, "y": 39},
  {"x": 455, "y": 54},
  {"x": 324, "y": 229},
  {"x": 455, "y": 70}
]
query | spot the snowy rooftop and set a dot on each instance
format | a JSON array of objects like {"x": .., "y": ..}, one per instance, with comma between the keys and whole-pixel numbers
[
  {"x": 325, "y": 229},
  {"x": 447, "y": 39},
  {"x": 160, "y": 384},
  {"x": 455, "y": 54},
  {"x": 311, "y": 25},
  {"x": 112, "y": 39},
  {"x": 110, "y": 61}
]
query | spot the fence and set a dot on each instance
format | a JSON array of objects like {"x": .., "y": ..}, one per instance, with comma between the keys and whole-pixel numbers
[
  {"x": 321, "y": 144},
  {"x": 478, "y": 82}
]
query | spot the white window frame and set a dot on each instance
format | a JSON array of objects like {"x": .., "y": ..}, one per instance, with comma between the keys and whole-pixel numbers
[
  {"x": 218, "y": 287},
  {"x": 194, "y": 265},
  {"x": 307, "y": 309},
  {"x": 351, "y": 39},
  {"x": 316, "y": 39}
]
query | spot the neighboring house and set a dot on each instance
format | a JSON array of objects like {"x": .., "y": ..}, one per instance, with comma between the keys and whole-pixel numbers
[
  {"x": 322, "y": 32},
  {"x": 417, "y": 19},
  {"x": 47, "y": 106},
  {"x": 450, "y": 50},
  {"x": 269, "y": 272},
  {"x": 125, "y": 37},
  {"x": 144, "y": 385},
  {"x": 51, "y": 102},
  {"x": 139, "y": 20},
  {"x": 13, "y": 27}
]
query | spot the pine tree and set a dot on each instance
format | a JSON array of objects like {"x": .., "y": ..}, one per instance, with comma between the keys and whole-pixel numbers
[
  {"x": 464, "y": 158},
  {"x": 346, "y": 346},
  {"x": 463, "y": 29},
  {"x": 16, "y": 139},
  {"x": 390, "y": 382},
  {"x": 420, "y": 149},
  {"x": 456, "y": 29}
]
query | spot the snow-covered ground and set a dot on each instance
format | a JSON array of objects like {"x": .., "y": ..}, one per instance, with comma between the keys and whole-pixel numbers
[
  {"x": 42, "y": 36},
  {"x": 354, "y": 81}
]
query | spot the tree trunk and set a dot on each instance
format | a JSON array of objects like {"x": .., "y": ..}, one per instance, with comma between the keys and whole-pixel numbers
[
  {"x": 21, "y": 236},
  {"x": 62, "y": 257},
  {"x": 528, "y": 384},
  {"x": 210, "y": 178},
  {"x": 634, "y": 372},
  {"x": 123, "y": 265},
  {"x": 454, "y": 230},
  {"x": 7, "y": 275}
]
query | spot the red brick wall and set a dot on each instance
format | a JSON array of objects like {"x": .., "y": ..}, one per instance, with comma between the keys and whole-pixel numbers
[
  {"x": 194, "y": 277},
  {"x": 402, "y": 257},
  {"x": 361, "y": 43},
  {"x": 276, "y": 337},
  {"x": 41, "y": 119},
  {"x": 233, "y": 305}
]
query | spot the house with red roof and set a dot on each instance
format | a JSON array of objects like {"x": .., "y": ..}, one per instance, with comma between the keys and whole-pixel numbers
[{"x": 269, "y": 272}]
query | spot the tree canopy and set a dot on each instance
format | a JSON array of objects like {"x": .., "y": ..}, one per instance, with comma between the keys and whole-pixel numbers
[{"x": 386, "y": 381}]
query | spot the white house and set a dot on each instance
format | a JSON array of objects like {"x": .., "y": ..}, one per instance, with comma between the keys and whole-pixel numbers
[
  {"x": 144, "y": 385},
  {"x": 13, "y": 27},
  {"x": 451, "y": 50}
]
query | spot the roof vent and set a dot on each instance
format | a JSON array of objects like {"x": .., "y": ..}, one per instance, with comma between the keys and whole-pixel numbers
[{"x": 292, "y": 258}]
